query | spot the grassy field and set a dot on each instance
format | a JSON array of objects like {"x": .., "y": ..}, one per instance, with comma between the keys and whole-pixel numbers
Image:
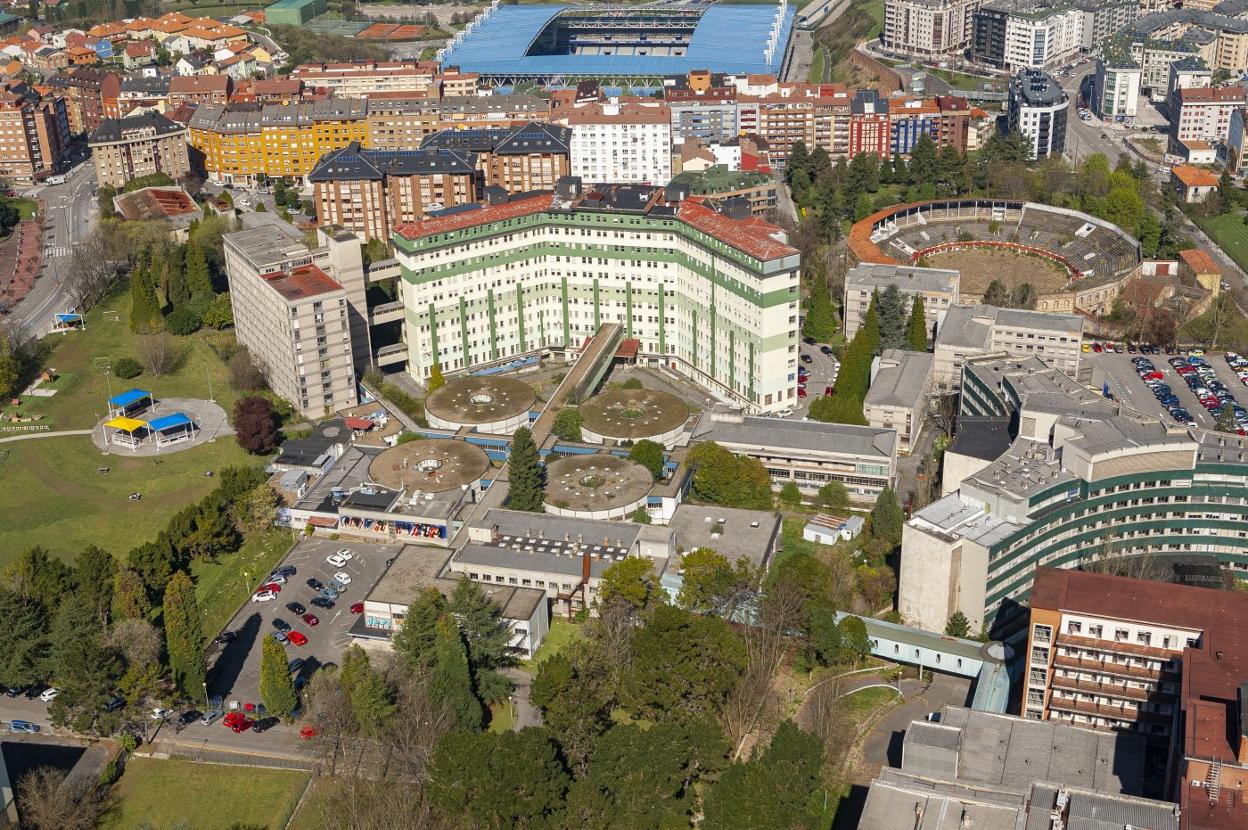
[
  {"x": 816, "y": 65},
  {"x": 958, "y": 80},
  {"x": 26, "y": 207},
  {"x": 222, "y": 586},
  {"x": 866, "y": 701},
  {"x": 502, "y": 717},
  {"x": 1231, "y": 234},
  {"x": 154, "y": 793},
  {"x": 563, "y": 633},
  {"x": 1222, "y": 326},
  {"x": 81, "y": 360},
  {"x": 53, "y": 495}
]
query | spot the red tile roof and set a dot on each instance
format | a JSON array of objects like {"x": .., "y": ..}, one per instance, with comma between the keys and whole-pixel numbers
[
  {"x": 1194, "y": 176},
  {"x": 1199, "y": 261},
  {"x": 471, "y": 218}
]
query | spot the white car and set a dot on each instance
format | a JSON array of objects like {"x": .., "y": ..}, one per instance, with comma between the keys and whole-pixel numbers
[
  {"x": 243, "y": 203},
  {"x": 336, "y": 560},
  {"x": 278, "y": 579},
  {"x": 343, "y": 577},
  {"x": 346, "y": 553},
  {"x": 263, "y": 596},
  {"x": 160, "y": 714},
  {"x": 49, "y": 695}
]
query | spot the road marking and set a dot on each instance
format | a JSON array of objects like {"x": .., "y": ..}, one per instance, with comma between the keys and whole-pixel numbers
[{"x": 58, "y": 251}]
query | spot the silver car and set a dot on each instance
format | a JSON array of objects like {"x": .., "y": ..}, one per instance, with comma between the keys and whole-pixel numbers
[{"x": 211, "y": 716}]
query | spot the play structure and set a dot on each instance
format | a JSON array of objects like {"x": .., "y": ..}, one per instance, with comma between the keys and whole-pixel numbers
[
  {"x": 126, "y": 429},
  {"x": 68, "y": 321}
]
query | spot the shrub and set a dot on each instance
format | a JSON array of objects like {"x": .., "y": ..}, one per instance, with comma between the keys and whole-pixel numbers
[
  {"x": 127, "y": 367},
  {"x": 183, "y": 321},
  {"x": 631, "y": 383},
  {"x": 245, "y": 375}
]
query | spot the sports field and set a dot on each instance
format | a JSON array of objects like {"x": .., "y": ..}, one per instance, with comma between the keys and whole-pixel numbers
[{"x": 1231, "y": 234}]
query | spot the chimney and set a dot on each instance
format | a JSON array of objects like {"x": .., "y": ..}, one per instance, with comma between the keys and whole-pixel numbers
[{"x": 585, "y": 567}]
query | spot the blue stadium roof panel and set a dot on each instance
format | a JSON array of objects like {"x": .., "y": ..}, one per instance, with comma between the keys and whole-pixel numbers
[{"x": 728, "y": 38}]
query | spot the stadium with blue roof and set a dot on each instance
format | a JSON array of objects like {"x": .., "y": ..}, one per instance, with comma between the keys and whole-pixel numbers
[{"x": 633, "y": 45}]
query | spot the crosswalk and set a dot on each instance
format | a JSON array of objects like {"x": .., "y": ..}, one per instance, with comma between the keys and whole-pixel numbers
[{"x": 58, "y": 250}]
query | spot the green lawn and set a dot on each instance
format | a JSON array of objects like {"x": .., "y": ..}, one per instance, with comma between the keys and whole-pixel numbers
[
  {"x": 222, "y": 586},
  {"x": 863, "y": 703},
  {"x": 26, "y": 207},
  {"x": 184, "y": 794},
  {"x": 563, "y": 633},
  {"x": 84, "y": 383},
  {"x": 958, "y": 80},
  {"x": 502, "y": 717},
  {"x": 816, "y": 65},
  {"x": 53, "y": 495},
  {"x": 1231, "y": 234}
]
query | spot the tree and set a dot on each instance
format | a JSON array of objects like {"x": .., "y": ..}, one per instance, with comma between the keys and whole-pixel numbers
[
  {"x": 451, "y": 679},
  {"x": 498, "y": 780},
  {"x": 184, "y": 637},
  {"x": 640, "y": 515},
  {"x": 127, "y": 368},
  {"x": 195, "y": 266},
  {"x": 683, "y": 666},
  {"x": 887, "y": 518},
  {"x": 255, "y": 425},
  {"x": 774, "y": 790},
  {"x": 244, "y": 373},
  {"x": 257, "y": 509},
  {"x": 94, "y": 572},
  {"x": 46, "y": 800},
  {"x": 732, "y": 481},
  {"x": 525, "y": 474},
  {"x": 574, "y": 705},
  {"x": 219, "y": 313},
  {"x": 568, "y": 424},
  {"x": 916, "y": 326},
  {"x": 144, "y": 307},
  {"x": 85, "y": 669},
  {"x": 892, "y": 313},
  {"x": 130, "y": 600},
  {"x": 629, "y": 580},
  {"x": 370, "y": 699},
  {"x": 648, "y": 454},
  {"x": 183, "y": 321},
  {"x": 159, "y": 353},
  {"x": 799, "y": 159},
  {"x": 1024, "y": 295},
  {"x": 790, "y": 495},
  {"x": 27, "y": 647},
  {"x": 415, "y": 641},
  {"x": 958, "y": 625},
  {"x": 277, "y": 691},
  {"x": 39, "y": 576},
  {"x": 1226, "y": 420},
  {"x": 996, "y": 294},
  {"x": 436, "y": 380},
  {"x": 923, "y": 161},
  {"x": 820, "y": 323},
  {"x": 176, "y": 291},
  {"x": 711, "y": 585},
  {"x": 833, "y": 494},
  {"x": 10, "y": 366},
  {"x": 487, "y": 635}
]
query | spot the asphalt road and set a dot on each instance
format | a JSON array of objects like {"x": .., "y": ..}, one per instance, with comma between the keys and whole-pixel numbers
[
  {"x": 71, "y": 212},
  {"x": 822, "y": 370}
]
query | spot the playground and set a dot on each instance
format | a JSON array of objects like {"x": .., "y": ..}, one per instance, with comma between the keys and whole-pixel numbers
[{"x": 141, "y": 425}]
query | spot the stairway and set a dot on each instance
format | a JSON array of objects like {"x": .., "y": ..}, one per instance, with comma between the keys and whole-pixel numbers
[{"x": 1213, "y": 779}]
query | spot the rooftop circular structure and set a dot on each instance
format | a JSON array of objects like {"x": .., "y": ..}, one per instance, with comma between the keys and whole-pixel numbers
[
  {"x": 492, "y": 404},
  {"x": 430, "y": 465},
  {"x": 633, "y": 415},
  {"x": 597, "y": 486}
]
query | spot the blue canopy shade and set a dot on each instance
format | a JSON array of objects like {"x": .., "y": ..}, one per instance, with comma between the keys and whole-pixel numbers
[
  {"x": 68, "y": 318},
  {"x": 177, "y": 419},
  {"x": 129, "y": 397}
]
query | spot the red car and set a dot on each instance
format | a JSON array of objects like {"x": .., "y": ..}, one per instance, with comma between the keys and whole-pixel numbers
[
  {"x": 311, "y": 619},
  {"x": 1151, "y": 375},
  {"x": 271, "y": 586},
  {"x": 297, "y": 638},
  {"x": 1096, "y": 347},
  {"x": 801, "y": 391},
  {"x": 827, "y": 390},
  {"x": 238, "y": 722},
  {"x": 308, "y": 732},
  {"x": 358, "y": 608}
]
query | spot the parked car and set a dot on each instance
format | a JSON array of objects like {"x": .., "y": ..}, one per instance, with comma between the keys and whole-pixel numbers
[
  {"x": 264, "y": 724},
  {"x": 13, "y": 691},
  {"x": 297, "y": 638},
  {"x": 308, "y": 732},
  {"x": 295, "y": 608},
  {"x": 237, "y": 721},
  {"x": 35, "y": 691},
  {"x": 115, "y": 704},
  {"x": 346, "y": 553},
  {"x": 209, "y": 717},
  {"x": 336, "y": 560},
  {"x": 49, "y": 695},
  {"x": 225, "y": 638},
  {"x": 312, "y": 620},
  {"x": 160, "y": 714},
  {"x": 188, "y": 716},
  {"x": 279, "y": 635},
  {"x": 23, "y": 726},
  {"x": 357, "y": 608},
  {"x": 328, "y": 592},
  {"x": 322, "y": 602},
  {"x": 343, "y": 577},
  {"x": 280, "y": 624},
  {"x": 284, "y": 570},
  {"x": 801, "y": 391},
  {"x": 275, "y": 587},
  {"x": 263, "y": 596},
  {"x": 315, "y": 584},
  {"x": 295, "y": 665},
  {"x": 807, "y": 358}
]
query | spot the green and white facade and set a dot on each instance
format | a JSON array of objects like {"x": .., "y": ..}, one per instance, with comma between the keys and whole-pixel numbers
[
  {"x": 1074, "y": 487},
  {"x": 713, "y": 298}
]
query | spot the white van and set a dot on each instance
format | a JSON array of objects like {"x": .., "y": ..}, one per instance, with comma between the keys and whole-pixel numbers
[{"x": 55, "y": 180}]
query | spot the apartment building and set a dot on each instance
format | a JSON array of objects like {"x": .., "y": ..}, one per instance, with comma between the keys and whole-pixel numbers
[
  {"x": 533, "y": 156},
  {"x": 142, "y": 93},
  {"x": 810, "y": 454},
  {"x": 707, "y": 113},
  {"x": 620, "y": 143},
  {"x": 301, "y": 312},
  {"x": 34, "y": 132},
  {"x": 901, "y": 384},
  {"x": 1014, "y": 34},
  {"x": 88, "y": 92},
  {"x": 1149, "y": 658},
  {"x": 937, "y": 287},
  {"x": 1204, "y": 114},
  {"x": 195, "y": 90},
  {"x": 138, "y": 145},
  {"x": 928, "y": 28},
  {"x": 369, "y": 192},
  {"x": 365, "y": 78},
  {"x": 971, "y": 331},
  {"x": 1116, "y": 88},
  {"x": 870, "y": 128},
  {"x": 707, "y": 295},
  {"x": 1038, "y": 108}
]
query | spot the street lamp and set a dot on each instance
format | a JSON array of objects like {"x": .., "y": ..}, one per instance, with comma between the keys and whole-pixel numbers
[{"x": 207, "y": 705}]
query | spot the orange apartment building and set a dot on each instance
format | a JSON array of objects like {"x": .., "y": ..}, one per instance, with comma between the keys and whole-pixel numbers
[{"x": 34, "y": 133}]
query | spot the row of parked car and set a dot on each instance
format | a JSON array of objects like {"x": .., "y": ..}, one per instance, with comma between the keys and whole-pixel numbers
[
  {"x": 1211, "y": 392},
  {"x": 1161, "y": 390}
]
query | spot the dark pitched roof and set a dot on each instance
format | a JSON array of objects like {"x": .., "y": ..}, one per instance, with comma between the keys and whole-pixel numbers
[
  {"x": 985, "y": 438},
  {"x": 352, "y": 164},
  {"x": 115, "y": 129},
  {"x": 534, "y": 137},
  {"x": 158, "y": 85}
]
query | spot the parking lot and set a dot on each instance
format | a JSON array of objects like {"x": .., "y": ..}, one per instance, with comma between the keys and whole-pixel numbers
[
  {"x": 235, "y": 675},
  {"x": 822, "y": 373},
  {"x": 1126, "y": 386}
]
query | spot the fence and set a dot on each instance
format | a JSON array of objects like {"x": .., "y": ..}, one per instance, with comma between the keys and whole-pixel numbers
[{"x": 27, "y": 428}]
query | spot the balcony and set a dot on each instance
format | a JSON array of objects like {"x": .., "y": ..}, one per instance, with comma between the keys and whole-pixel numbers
[
  {"x": 385, "y": 313},
  {"x": 1109, "y": 667},
  {"x": 1116, "y": 647},
  {"x": 1108, "y": 689},
  {"x": 1085, "y": 707}
]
